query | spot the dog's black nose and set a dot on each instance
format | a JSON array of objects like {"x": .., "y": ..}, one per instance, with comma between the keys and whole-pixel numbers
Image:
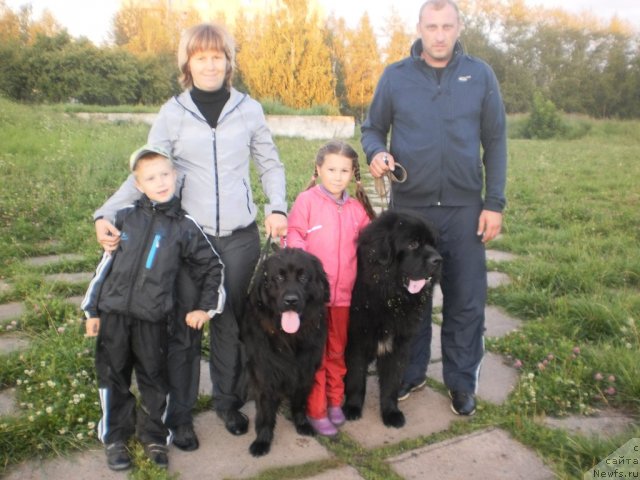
[{"x": 290, "y": 300}]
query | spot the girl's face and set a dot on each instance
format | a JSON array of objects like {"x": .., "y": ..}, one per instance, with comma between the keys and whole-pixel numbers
[
  {"x": 208, "y": 69},
  {"x": 335, "y": 173}
]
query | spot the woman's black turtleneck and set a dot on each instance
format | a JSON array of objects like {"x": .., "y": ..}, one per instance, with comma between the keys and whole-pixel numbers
[{"x": 210, "y": 104}]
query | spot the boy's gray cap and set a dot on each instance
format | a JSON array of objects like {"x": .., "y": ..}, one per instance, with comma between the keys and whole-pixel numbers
[{"x": 144, "y": 150}]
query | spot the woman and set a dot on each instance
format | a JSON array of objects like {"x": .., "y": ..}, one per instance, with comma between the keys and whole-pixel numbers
[{"x": 212, "y": 131}]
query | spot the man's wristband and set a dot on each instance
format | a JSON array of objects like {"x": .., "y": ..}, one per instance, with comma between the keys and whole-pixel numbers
[{"x": 279, "y": 212}]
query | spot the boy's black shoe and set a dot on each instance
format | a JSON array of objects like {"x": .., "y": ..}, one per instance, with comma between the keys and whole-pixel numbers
[
  {"x": 117, "y": 456},
  {"x": 235, "y": 421},
  {"x": 407, "y": 388},
  {"x": 157, "y": 454},
  {"x": 462, "y": 403},
  {"x": 185, "y": 438}
]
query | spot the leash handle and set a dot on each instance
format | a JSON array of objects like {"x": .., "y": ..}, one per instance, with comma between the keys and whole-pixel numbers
[{"x": 382, "y": 184}]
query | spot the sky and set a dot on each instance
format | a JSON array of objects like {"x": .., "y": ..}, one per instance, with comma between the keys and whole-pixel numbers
[{"x": 93, "y": 19}]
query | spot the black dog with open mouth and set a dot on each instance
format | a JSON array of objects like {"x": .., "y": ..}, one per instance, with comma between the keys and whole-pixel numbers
[
  {"x": 284, "y": 331},
  {"x": 397, "y": 267}
]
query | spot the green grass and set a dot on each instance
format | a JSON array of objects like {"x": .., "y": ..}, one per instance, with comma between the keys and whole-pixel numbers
[{"x": 573, "y": 219}]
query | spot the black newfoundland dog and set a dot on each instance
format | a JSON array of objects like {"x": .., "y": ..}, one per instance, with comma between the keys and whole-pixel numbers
[
  {"x": 397, "y": 268},
  {"x": 284, "y": 331}
]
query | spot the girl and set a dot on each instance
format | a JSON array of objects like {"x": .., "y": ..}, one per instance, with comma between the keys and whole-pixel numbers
[{"x": 325, "y": 221}]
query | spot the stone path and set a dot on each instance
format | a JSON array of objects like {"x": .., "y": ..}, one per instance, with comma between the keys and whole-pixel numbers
[{"x": 485, "y": 454}]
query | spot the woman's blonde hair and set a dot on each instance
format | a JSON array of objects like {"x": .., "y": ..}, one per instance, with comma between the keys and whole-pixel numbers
[{"x": 205, "y": 36}]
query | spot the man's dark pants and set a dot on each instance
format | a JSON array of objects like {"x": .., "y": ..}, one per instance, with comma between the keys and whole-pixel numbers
[{"x": 464, "y": 289}]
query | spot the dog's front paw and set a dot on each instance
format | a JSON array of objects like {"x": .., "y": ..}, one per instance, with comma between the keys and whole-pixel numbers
[
  {"x": 352, "y": 412},
  {"x": 393, "y": 418},
  {"x": 305, "y": 428},
  {"x": 259, "y": 448}
]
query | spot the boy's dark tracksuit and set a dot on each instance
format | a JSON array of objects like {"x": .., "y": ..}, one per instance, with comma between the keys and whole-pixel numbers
[
  {"x": 448, "y": 132},
  {"x": 133, "y": 292}
]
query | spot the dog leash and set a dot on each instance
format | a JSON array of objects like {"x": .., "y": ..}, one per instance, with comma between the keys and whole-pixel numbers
[
  {"x": 264, "y": 253},
  {"x": 382, "y": 184}
]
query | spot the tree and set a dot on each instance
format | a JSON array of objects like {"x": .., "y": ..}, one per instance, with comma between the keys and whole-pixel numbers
[
  {"x": 152, "y": 28},
  {"x": 362, "y": 66},
  {"x": 398, "y": 39},
  {"x": 284, "y": 57}
]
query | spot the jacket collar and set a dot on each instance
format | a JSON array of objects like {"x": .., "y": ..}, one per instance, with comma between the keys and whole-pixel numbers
[
  {"x": 184, "y": 99},
  {"x": 171, "y": 208}
]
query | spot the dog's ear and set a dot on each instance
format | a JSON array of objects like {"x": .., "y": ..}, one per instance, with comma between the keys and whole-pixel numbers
[
  {"x": 380, "y": 249},
  {"x": 275, "y": 248},
  {"x": 258, "y": 294}
]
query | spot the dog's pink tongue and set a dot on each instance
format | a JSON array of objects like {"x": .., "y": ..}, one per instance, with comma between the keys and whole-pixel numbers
[
  {"x": 290, "y": 321},
  {"x": 416, "y": 285}
]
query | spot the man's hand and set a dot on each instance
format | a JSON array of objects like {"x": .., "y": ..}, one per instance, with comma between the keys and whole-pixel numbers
[
  {"x": 276, "y": 225},
  {"x": 196, "y": 319},
  {"x": 381, "y": 163},
  {"x": 489, "y": 225},
  {"x": 108, "y": 236},
  {"x": 92, "y": 325}
]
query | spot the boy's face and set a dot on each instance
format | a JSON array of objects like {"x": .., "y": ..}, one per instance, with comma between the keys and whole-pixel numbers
[{"x": 156, "y": 178}]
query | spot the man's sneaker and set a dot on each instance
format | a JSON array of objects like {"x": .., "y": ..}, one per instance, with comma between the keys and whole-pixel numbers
[
  {"x": 336, "y": 416},
  {"x": 323, "y": 426},
  {"x": 407, "y": 388},
  {"x": 157, "y": 453},
  {"x": 117, "y": 456},
  {"x": 462, "y": 403},
  {"x": 185, "y": 438}
]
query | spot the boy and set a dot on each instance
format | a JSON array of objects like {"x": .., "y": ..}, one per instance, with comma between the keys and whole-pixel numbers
[{"x": 133, "y": 294}]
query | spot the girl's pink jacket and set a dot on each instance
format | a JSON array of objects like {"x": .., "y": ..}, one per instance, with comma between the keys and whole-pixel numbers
[{"x": 328, "y": 229}]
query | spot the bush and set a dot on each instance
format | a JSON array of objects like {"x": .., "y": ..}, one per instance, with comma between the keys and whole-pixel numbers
[{"x": 545, "y": 120}]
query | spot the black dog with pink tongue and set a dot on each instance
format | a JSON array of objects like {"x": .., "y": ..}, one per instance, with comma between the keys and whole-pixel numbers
[
  {"x": 284, "y": 331},
  {"x": 398, "y": 265}
]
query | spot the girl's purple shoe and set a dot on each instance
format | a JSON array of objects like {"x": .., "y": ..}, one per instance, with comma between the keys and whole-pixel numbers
[
  {"x": 336, "y": 416},
  {"x": 323, "y": 426}
]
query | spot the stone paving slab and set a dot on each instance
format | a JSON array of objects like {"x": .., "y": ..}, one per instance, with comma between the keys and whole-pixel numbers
[
  {"x": 606, "y": 423},
  {"x": 8, "y": 402},
  {"x": 90, "y": 464},
  {"x": 497, "y": 380},
  {"x": 9, "y": 311},
  {"x": 223, "y": 455},
  {"x": 488, "y": 454},
  {"x": 53, "y": 259},
  {"x": 77, "y": 277},
  {"x": 498, "y": 323},
  {"x": 75, "y": 300},
  {"x": 500, "y": 256},
  {"x": 426, "y": 411},
  {"x": 497, "y": 279},
  {"x": 11, "y": 342}
]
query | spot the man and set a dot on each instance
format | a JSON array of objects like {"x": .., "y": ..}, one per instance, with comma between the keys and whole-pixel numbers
[{"x": 442, "y": 107}]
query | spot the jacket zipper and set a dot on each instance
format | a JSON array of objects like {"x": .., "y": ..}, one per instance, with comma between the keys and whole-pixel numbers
[
  {"x": 335, "y": 288},
  {"x": 215, "y": 180},
  {"x": 137, "y": 269}
]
